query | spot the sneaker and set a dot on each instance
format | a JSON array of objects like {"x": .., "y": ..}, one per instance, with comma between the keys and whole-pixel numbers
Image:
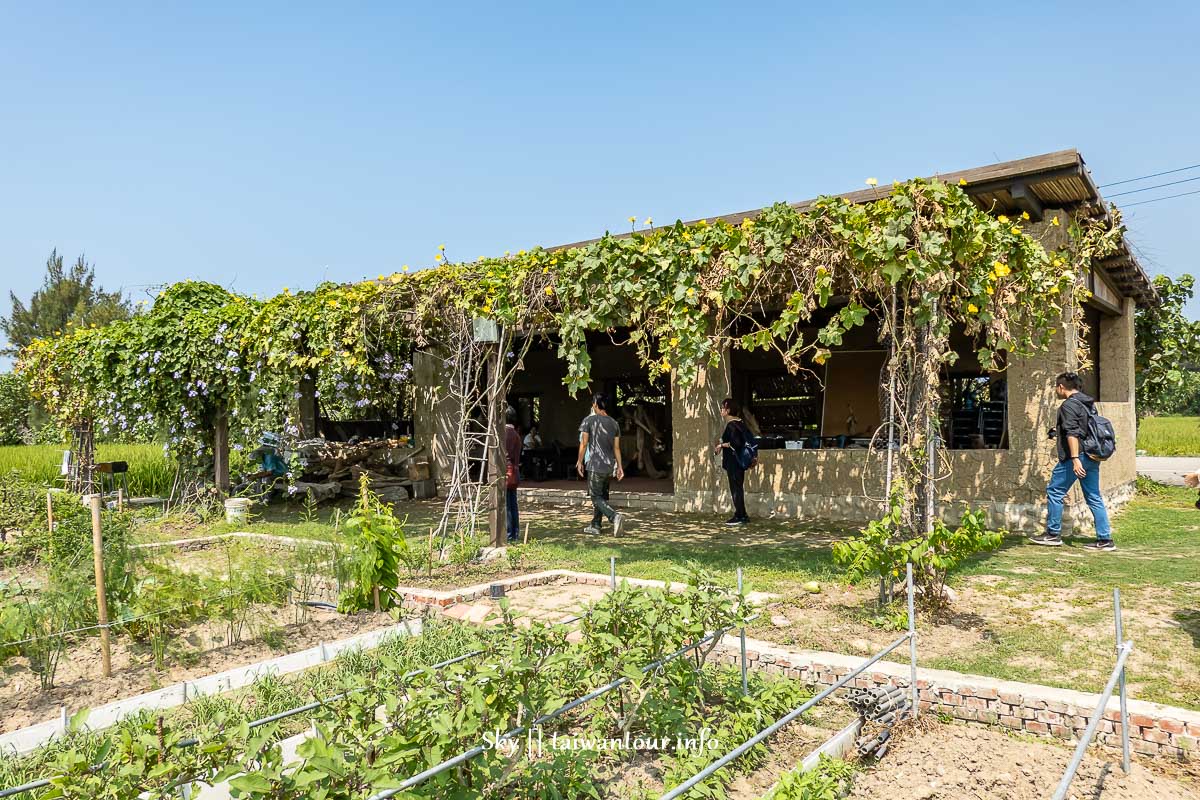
[
  {"x": 618, "y": 524},
  {"x": 1104, "y": 545},
  {"x": 733, "y": 522},
  {"x": 1047, "y": 539},
  {"x": 592, "y": 529}
]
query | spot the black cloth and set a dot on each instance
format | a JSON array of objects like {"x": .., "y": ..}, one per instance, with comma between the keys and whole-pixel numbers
[
  {"x": 1073, "y": 421},
  {"x": 735, "y": 434},
  {"x": 737, "y": 488}
]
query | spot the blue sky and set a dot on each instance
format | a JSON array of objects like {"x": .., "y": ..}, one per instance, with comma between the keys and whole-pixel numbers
[{"x": 287, "y": 144}]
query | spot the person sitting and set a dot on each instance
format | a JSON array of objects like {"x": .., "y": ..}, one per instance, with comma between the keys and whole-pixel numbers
[
  {"x": 533, "y": 439},
  {"x": 263, "y": 484}
]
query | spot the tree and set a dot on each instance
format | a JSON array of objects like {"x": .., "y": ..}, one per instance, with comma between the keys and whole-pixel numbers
[
  {"x": 1168, "y": 350},
  {"x": 67, "y": 299}
]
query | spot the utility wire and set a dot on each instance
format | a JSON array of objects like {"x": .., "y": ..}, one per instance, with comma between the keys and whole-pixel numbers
[
  {"x": 1156, "y": 186},
  {"x": 1152, "y": 175},
  {"x": 1156, "y": 199}
]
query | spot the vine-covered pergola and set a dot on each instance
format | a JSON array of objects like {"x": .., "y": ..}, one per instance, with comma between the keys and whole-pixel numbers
[{"x": 207, "y": 366}]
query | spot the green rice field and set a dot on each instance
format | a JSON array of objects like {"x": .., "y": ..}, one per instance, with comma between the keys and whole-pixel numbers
[
  {"x": 1169, "y": 436},
  {"x": 150, "y": 473}
]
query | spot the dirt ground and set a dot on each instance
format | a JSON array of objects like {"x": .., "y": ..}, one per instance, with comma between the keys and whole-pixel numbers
[
  {"x": 949, "y": 762},
  {"x": 195, "y": 653}
]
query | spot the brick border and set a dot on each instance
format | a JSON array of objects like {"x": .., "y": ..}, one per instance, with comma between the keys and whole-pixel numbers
[{"x": 1154, "y": 730}]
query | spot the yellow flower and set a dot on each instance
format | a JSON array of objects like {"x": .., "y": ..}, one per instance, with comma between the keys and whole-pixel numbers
[
  {"x": 691, "y": 292},
  {"x": 1054, "y": 222},
  {"x": 991, "y": 290},
  {"x": 1002, "y": 269},
  {"x": 520, "y": 252},
  {"x": 438, "y": 257},
  {"x": 962, "y": 181},
  {"x": 819, "y": 358},
  {"x": 674, "y": 341},
  {"x": 441, "y": 247},
  {"x": 632, "y": 220},
  {"x": 971, "y": 307},
  {"x": 649, "y": 221},
  {"x": 1003, "y": 220},
  {"x": 380, "y": 277},
  {"x": 872, "y": 182},
  {"x": 1053, "y": 290},
  {"x": 687, "y": 236},
  {"x": 1058, "y": 262},
  {"x": 545, "y": 270},
  {"x": 549, "y": 290},
  {"x": 406, "y": 267},
  {"x": 666, "y": 363},
  {"x": 1025, "y": 215},
  {"x": 702, "y": 222}
]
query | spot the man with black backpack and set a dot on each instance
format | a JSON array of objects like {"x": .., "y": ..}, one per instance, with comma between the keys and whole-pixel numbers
[{"x": 1084, "y": 439}]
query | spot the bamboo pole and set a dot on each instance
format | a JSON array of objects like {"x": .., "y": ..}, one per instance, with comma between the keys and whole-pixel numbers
[
  {"x": 121, "y": 499},
  {"x": 526, "y": 539},
  {"x": 49, "y": 512},
  {"x": 101, "y": 599}
]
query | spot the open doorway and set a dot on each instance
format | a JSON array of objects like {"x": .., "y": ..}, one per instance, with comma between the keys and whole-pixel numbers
[{"x": 549, "y": 415}]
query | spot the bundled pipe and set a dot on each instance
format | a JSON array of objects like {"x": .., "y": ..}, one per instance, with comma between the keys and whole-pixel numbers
[{"x": 879, "y": 707}]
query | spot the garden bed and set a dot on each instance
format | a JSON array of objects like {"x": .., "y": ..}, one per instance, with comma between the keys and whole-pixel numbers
[
  {"x": 195, "y": 651},
  {"x": 954, "y": 762}
]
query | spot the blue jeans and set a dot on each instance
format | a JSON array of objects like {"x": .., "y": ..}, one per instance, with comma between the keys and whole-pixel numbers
[
  {"x": 514, "y": 516},
  {"x": 1061, "y": 481}
]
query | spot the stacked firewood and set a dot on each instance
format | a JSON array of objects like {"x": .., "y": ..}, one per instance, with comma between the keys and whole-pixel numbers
[{"x": 391, "y": 465}]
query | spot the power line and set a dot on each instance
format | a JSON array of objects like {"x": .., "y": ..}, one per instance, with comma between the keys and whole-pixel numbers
[
  {"x": 1156, "y": 186},
  {"x": 1152, "y": 175},
  {"x": 1156, "y": 199}
]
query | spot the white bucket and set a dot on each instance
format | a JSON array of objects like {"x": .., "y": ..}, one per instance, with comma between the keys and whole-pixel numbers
[{"x": 237, "y": 509}]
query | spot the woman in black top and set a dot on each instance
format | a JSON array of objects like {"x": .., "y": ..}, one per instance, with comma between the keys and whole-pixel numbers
[{"x": 733, "y": 440}]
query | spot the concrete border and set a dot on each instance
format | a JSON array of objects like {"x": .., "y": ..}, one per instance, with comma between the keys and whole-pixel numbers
[{"x": 30, "y": 738}]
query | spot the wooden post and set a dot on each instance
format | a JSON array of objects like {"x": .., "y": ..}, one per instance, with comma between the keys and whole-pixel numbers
[
  {"x": 430, "y": 569},
  {"x": 307, "y": 389},
  {"x": 497, "y": 463},
  {"x": 50, "y": 513},
  {"x": 526, "y": 539},
  {"x": 101, "y": 599},
  {"x": 221, "y": 452},
  {"x": 121, "y": 499},
  {"x": 375, "y": 597}
]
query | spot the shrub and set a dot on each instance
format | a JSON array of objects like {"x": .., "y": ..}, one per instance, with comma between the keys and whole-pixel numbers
[{"x": 881, "y": 550}]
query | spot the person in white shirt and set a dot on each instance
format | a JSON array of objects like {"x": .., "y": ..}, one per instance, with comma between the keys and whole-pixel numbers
[{"x": 533, "y": 439}]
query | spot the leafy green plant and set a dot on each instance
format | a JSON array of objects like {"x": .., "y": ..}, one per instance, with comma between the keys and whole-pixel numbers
[
  {"x": 880, "y": 550},
  {"x": 377, "y": 544},
  {"x": 831, "y": 779}
]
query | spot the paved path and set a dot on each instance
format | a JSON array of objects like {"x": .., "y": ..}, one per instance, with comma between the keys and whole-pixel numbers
[{"x": 1167, "y": 470}]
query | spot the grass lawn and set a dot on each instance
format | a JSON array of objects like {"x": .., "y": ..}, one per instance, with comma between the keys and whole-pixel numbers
[
  {"x": 1023, "y": 613},
  {"x": 1169, "y": 436}
]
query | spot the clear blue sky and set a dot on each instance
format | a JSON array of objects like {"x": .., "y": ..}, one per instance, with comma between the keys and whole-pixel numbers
[{"x": 282, "y": 145}]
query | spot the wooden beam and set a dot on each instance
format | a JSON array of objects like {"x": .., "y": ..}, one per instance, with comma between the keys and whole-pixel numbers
[
  {"x": 1026, "y": 200},
  {"x": 221, "y": 453}
]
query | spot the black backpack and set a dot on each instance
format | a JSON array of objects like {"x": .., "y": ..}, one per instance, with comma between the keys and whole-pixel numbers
[
  {"x": 748, "y": 457},
  {"x": 1101, "y": 440}
]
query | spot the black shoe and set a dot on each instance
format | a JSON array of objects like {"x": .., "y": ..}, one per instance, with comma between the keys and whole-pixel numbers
[
  {"x": 512, "y": 538},
  {"x": 732, "y": 522},
  {"x": 1047, "y": 539},
  {"x": 1103, "y": 545}
]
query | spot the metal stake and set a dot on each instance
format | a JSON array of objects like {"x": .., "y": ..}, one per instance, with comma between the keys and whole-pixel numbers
[
  {"x": 742, "y": 636},
  {"x": 612, "y": 571},
  {"x": 1124, "y": 707},
  {"x": 912, "y": 642}
]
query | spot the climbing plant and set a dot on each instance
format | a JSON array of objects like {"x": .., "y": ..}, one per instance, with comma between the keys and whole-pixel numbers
[{"x": 923, "y": 259}]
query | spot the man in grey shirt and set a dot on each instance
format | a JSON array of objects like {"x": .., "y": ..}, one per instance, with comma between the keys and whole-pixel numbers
[{"x": 600, "y": 442}]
